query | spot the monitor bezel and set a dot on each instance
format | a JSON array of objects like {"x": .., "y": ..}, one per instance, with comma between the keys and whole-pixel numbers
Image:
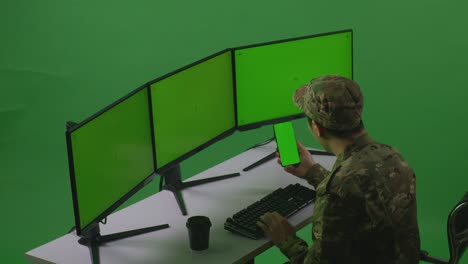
[
  {"x": 215, "y": 139},
  {"x": 82, "y": 230},
  {"x": 259, "y": 124}
]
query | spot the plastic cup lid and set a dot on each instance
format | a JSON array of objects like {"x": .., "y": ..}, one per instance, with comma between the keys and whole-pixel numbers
[{"x": 198, "y": 221}]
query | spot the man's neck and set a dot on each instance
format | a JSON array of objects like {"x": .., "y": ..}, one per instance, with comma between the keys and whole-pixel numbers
[{"x": 338, "y": 145}]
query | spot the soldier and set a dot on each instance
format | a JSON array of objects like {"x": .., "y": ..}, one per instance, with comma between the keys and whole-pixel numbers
[{"x": 365, "y": 209}]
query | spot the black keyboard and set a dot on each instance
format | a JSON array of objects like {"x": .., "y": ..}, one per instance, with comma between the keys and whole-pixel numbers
[{"x": 286, "y": 201}]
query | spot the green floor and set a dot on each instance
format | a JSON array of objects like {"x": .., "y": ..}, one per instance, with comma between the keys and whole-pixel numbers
[{"x": 61, "y": 61}]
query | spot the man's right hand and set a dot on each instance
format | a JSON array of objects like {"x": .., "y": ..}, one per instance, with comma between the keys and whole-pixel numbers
[{"x": 307, "y": 161}]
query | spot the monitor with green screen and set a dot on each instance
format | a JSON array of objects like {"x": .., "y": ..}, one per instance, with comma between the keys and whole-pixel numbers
[
  {"x": 192, "y": 107},
  {"x": 268, "y": 74},
  {"x": 110, "y": 156}
]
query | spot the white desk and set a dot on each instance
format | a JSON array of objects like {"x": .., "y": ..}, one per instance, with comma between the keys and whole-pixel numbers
[{"x": 217, "y": 200}]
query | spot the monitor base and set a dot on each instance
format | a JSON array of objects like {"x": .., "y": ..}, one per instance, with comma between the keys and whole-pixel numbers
[{"x": 93, "y": 238}]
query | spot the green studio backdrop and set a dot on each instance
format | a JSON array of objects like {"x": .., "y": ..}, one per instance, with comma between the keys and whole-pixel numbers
[{"x": 62, "y": 61}]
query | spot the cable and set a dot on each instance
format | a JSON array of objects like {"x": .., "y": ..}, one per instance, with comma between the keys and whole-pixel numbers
[
  {"x": 161, "y": 182},
  {"x": 262, "y": 143}
]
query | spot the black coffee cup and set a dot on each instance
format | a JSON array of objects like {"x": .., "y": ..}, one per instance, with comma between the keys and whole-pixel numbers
[{"x": 199, "y": 232}]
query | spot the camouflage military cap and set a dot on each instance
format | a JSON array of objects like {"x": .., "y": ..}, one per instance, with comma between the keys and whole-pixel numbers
[{"x": 333, "y": 101}]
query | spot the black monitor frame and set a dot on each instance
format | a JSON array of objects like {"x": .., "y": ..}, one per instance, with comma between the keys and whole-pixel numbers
[
  {"x": 290, "y": 117},
  {"x": 208, "y": 143},
  {"x": 171, "y": 172},
  {"x": 79, "y": 229},
  {"x": 90, "y": 234}
]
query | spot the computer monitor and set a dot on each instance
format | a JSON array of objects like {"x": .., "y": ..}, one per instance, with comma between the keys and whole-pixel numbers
[
  {"x": 267, "y": 74},
  {"x": 192, "y": 108},
  {"x": 110, "y": 158}
]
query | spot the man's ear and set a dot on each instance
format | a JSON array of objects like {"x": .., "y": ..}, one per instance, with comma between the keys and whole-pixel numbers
[{"x": 317, "y": 129}]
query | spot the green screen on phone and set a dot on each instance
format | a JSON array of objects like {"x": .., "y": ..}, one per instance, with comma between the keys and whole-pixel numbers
[{"x": 286, "y": 142}]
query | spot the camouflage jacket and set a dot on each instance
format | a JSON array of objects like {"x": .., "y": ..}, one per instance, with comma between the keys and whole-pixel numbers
[{"x": 365, "y": 210}]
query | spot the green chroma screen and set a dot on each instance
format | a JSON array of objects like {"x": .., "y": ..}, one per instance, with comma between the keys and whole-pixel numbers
[
  {"x": 268, "y": 75},
  {"x": 111, "y": 155},
  {"x": 192, "y": 106},
  {"x": 286, "y": 142}
]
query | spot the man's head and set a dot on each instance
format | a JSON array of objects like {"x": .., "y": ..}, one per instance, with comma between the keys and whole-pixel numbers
[{"x": 333, "y": 105}]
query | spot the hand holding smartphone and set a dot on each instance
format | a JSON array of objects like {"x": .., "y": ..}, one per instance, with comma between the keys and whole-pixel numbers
[{"x": 287, "y": 145}]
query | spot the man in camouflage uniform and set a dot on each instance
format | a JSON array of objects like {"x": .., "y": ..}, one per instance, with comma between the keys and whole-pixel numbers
[{"x": 365, "y": 209}]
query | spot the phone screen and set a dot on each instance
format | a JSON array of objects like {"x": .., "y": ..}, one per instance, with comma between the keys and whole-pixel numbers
[{"x": 286, "y": 142}]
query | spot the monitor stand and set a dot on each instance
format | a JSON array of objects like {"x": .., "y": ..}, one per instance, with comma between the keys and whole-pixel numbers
[
  {"x": 93, "y": 239},
  {"x": 172, "y": 177}
]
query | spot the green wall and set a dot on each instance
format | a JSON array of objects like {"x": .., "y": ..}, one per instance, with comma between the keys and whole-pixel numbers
[{"x": 65, "y": 60}]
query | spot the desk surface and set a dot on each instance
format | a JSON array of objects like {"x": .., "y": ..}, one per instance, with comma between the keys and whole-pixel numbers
[{"x": 217, "y": 200}]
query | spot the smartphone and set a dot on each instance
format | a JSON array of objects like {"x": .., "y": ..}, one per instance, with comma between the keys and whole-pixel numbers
[{"x": 286, "y": 142}]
